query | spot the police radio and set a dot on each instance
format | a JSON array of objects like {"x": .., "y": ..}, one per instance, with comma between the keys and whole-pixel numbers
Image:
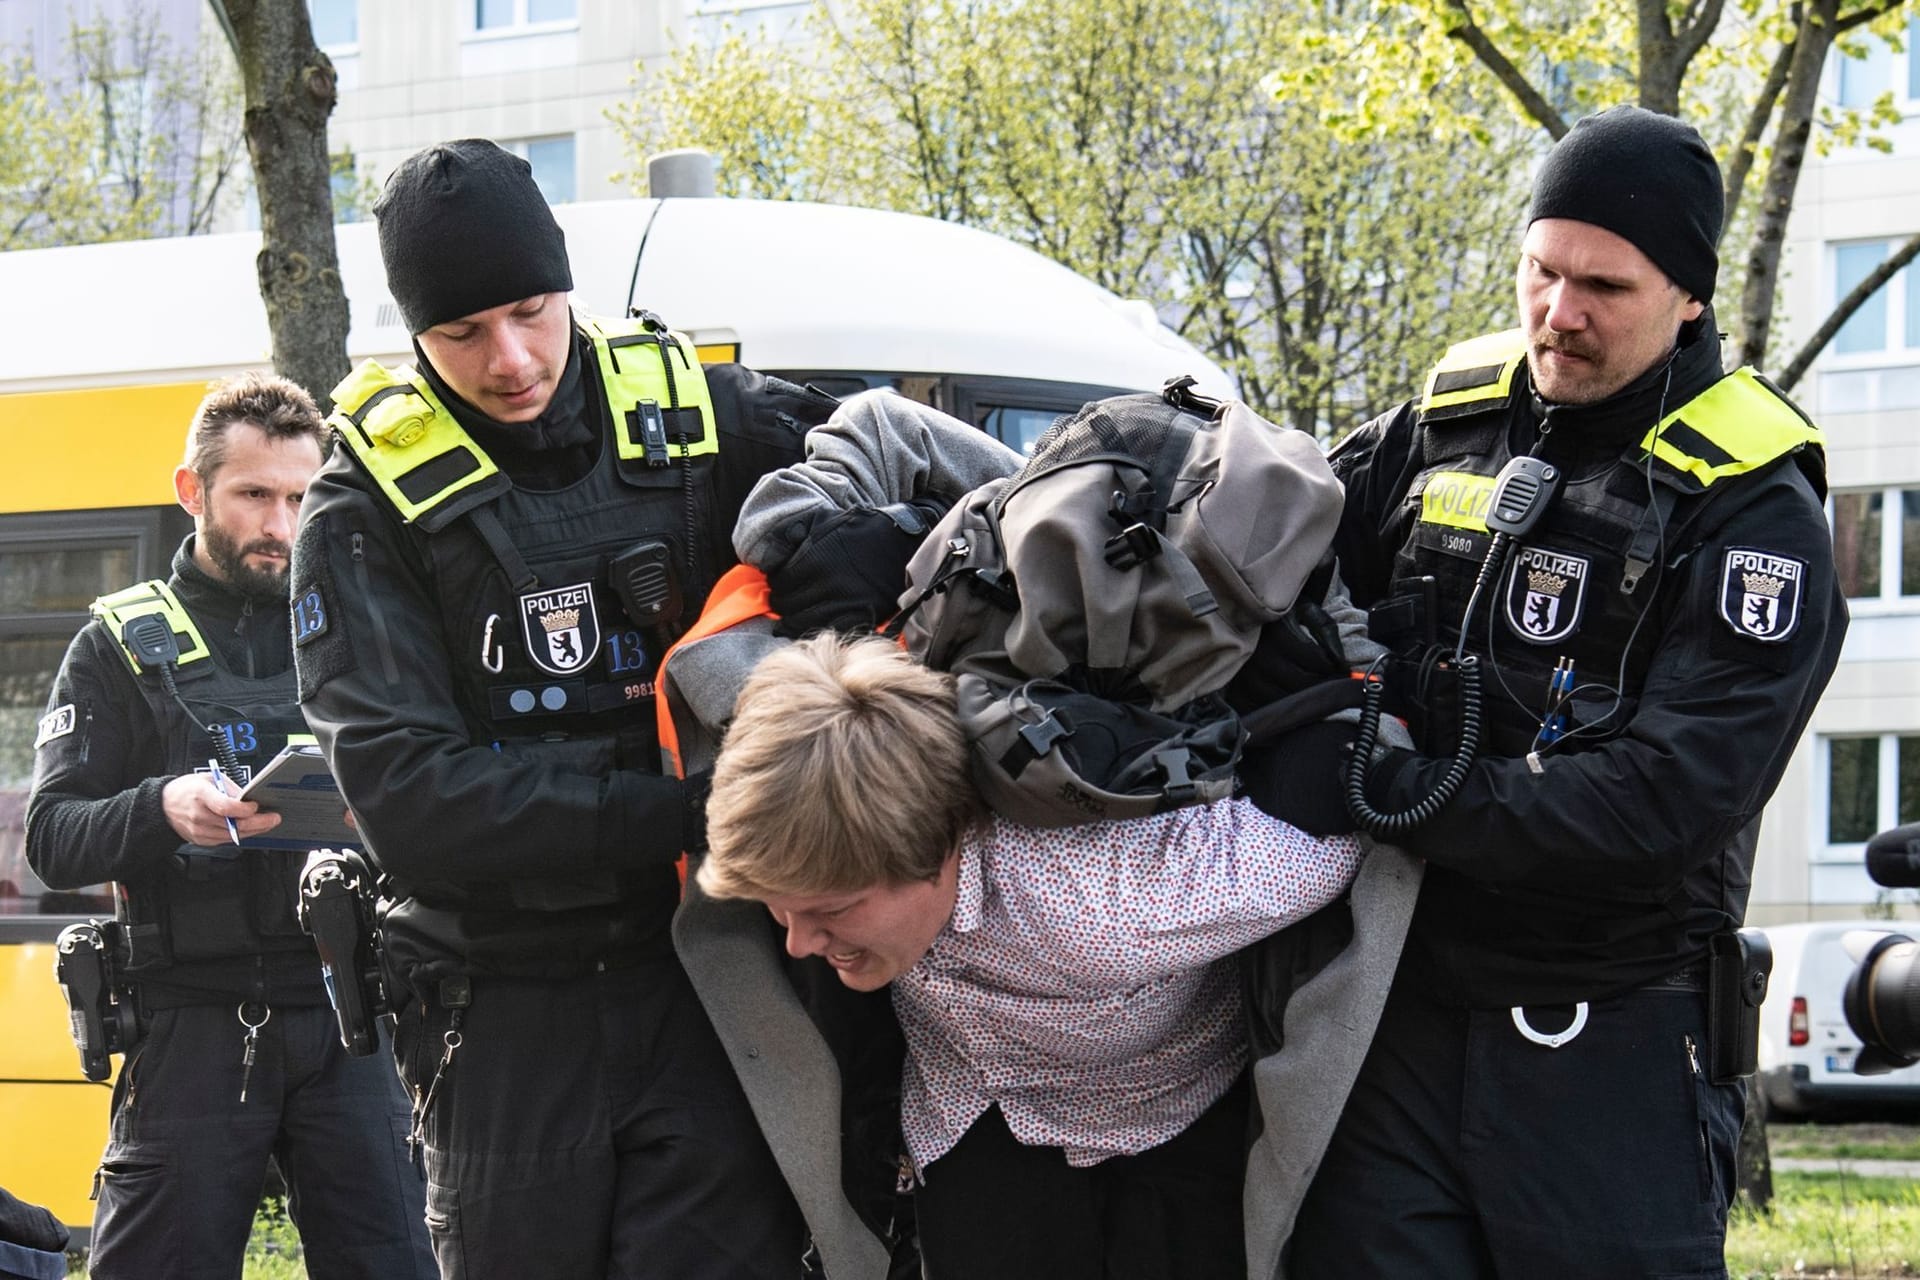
[
  {"x": 150, "y": 639},
  {"x": 1522, "y": 493}
]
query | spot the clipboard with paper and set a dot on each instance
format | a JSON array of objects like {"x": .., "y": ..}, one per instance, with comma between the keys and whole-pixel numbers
[{"x": 298, "y": 785}]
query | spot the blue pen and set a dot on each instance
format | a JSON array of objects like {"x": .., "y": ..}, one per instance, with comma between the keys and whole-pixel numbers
[{"x": 219, "y": 781}]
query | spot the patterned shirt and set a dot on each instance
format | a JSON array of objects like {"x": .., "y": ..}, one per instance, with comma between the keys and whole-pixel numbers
[{"x": 1081, "y": 983}]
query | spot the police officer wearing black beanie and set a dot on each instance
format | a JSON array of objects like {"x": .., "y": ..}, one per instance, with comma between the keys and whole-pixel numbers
[
  {"x": 485, "y": 577},
  {"x": 1545, "y": 1094}
]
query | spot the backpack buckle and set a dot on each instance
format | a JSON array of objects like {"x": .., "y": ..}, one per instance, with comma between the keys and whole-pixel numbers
[
  {"x": 1180, "y": 393},
  {"x": 1042, "y": 734},
  {"x": 1181, "y": 787},
  {"x": 1131, "y": 547}
]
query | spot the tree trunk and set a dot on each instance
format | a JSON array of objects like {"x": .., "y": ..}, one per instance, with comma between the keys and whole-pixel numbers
[
  {"x": 1753, "y": 1164},
  {"x": 290, "y": 92},
  {"x": 1797, "y": 104}
]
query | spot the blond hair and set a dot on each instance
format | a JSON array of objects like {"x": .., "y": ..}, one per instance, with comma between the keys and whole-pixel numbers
[{"x": 844, "y": 768}]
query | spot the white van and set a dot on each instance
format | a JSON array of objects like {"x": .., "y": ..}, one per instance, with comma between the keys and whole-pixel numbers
[{"x": 1807, "y": 1050}]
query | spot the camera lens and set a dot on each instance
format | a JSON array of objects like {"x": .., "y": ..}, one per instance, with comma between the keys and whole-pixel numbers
[{"x": 1882, "y": 1000}]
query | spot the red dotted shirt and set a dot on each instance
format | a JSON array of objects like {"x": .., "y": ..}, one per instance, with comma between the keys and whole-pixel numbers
[{"x": 1081, "y": 982}]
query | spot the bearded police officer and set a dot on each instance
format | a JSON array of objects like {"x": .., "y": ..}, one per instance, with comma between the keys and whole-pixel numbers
[
  {"x": 240, "y": 1060},
  {"x": 1546, "y": 1094},
  {"x": 484, "y": 580}
]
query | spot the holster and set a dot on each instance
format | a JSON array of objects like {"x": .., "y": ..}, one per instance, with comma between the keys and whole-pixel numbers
[
  {"x": 336, "y": 910},
  {"x": 1739, "y": 962},
  {"x": 102, "y": 1012}
]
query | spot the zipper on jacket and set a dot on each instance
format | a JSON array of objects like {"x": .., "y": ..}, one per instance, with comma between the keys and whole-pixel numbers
[
  {"x": 380, "y": 637},
  {"x": 241, "y": 626}
]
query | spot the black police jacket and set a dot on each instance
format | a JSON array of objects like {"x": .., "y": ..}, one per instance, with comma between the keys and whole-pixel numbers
[
  {"x": 1608, "y": 859},
  {"x": 492, "y": 724},
  {"x": 204, "y": 928}
]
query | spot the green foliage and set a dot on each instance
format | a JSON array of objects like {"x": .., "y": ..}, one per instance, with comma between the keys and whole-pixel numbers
[
  {"x": 1745, "y": 73},
  {"x": 1274, "y": 185},
  {"x": 44, "y": 155},
  {"x": 1828, "y": 1225},
  {"x": 353, "y": 192},
  {"x": 143, "y": 140},
  {"x": 1843, "y": 1141},
  {"x": 273, "y": 1250}
]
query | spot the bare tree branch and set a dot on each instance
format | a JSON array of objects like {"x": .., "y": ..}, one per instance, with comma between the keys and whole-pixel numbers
[
  {"x": 1879, "y": 8},
  {"x": 1468, "y": 32},
  {"x": 1741, "y": 162},
  {"x": 1697, "y": 27},
  {"x": 1783, "y": 177},
  {"x": 1844, "y": 309}
]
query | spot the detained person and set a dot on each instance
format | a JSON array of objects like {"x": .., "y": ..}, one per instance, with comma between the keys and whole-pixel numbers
[{"x": 1073, "y": 1101}]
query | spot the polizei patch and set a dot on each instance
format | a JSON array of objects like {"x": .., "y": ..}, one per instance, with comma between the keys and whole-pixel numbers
[
  {"x": 57, "y": 723},
  {"x": 1545, "y": 589},
  {"x": 1760, "y": 593},
  {"x": 561, "y": 627}
]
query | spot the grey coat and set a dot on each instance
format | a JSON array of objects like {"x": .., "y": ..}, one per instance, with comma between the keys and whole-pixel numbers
[{"x": 877, "y": 449}]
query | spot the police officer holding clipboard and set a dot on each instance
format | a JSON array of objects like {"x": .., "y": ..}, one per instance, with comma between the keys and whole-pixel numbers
[{"x": 163, "y": 706}]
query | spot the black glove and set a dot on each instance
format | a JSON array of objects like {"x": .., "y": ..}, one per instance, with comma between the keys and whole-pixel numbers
[
  {"x": 850, "y": 568},
  {"x": 1300, "y": 777},
  {"x": 694, "y": 789}
]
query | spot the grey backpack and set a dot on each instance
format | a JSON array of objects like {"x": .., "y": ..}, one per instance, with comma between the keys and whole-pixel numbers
[{"x": 1094, "y": 604}]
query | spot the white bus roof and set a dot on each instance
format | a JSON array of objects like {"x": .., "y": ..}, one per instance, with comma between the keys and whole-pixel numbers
[{"x": 797, "y": 286}]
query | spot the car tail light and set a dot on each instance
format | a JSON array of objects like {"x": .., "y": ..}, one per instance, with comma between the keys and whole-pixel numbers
[{"x": 1797, "y": 1022}]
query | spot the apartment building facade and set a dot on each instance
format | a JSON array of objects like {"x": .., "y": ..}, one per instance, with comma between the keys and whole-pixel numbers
[{"x": 1858, "y": 769}]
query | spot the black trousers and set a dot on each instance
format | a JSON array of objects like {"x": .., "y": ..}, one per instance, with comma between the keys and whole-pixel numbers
[
  {"x": 994, "y": 1209},
  {"x": 593, "y": 1127},
  {"x": 1467, "y": 1152},
  {"x": 186, "y": 1159}
]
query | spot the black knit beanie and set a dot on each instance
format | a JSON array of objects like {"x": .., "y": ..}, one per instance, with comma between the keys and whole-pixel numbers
[
  {"x": 1647, "y": 178},
  {"x": 464, "y": 228}
]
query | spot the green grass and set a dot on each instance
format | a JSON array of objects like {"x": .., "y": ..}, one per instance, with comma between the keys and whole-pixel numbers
[
  {"x": 1845, "y": 1141},
  {"x": 1829, "y": 1225},
  {"x": 273, "y": 1251}
]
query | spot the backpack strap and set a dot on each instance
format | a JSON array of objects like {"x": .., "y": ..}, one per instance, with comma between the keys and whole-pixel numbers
[
  {"x": 116, "y": 610},
  {"x": 1142, "y": 513}
]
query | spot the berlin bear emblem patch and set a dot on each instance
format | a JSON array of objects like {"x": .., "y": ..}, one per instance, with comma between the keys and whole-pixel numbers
[
  {"x": 1760, "y": 593},
  {"x": 1544, "y": 592},
  {"x": 561, "y": 627}
]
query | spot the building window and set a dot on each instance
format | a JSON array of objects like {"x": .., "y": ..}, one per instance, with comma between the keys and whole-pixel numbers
[
  {"x": 1859, "y": 82},
  {"x": 1889, "y": 321},
  {"x": 504, "y": 15},
  {"x": 1876, "y": 543},
  {"x": 553, "y": 167},
  {"x": 760, "y": 19},
  {"x": 336, "y": 23},
  {"x": 51, "y": 567},
  {"x": 1873, "y": 783}
]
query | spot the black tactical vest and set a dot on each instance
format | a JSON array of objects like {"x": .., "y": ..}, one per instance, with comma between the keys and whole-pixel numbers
[
  {"x": 548, "y": 663},
  {"x": 212, "y": 904},
  {"x": 1578, "y": 587}
]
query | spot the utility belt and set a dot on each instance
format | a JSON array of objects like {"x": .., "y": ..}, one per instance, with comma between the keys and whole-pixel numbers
[
  {"x": 1733, "y": 978},
  {"x": 106, "y": 1013}
]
